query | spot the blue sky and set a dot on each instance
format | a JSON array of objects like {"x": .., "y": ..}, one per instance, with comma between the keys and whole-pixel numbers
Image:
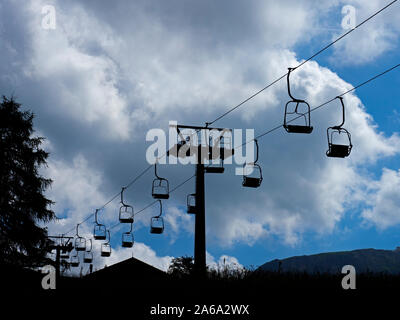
[{"x": 108, "y": 73}]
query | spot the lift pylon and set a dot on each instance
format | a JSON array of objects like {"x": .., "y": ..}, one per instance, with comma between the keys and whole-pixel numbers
[{"x": 204, "y": 152}]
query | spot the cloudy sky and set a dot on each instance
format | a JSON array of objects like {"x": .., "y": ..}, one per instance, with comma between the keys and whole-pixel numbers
[{"x": 112, "y": 70}]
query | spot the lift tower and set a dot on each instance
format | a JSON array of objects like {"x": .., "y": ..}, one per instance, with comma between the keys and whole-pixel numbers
[
  {"x": 62, "y": 245},
  {"x": 209, "y": 145}
]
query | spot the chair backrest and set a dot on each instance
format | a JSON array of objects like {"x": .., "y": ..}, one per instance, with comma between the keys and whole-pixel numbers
[
  {"x": 305, "y": 115},
  {"x": 80, "y": 244},
  {"x": 99, "y": 232},
  {"x": 157, "y": 225},
  {"x": 127, "y": 238},
  {"x": 88, "y": 257},
  {"x": 332, "y": 131},
  {"x": 105, "y": 249},
  {"x": 126, "y": 214}
]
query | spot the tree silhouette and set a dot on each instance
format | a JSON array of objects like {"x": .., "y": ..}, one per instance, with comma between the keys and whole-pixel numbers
[
  {"x": 22, "y": 203},
  {"x": 181, "y": 266}
]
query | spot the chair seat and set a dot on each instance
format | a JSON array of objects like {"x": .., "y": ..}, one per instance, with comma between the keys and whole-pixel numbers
[
  {"x": 298, "y": 129},
  {"x": 160, "y": 195},
  {"x": 191, "y": 209},
  {"x": 251, "y": 182},
  {"x": 338, "y": 151},
  {"x": 156, "y": 230},
  {"x": 126, "y": 220},
  {"x": 215, "y": 169},
  {"x": 127, "y": 244},
  {"x": 105, "y": 254},
  {"x": 87, "y": 260},
  {"x": 99, "y": 237}
]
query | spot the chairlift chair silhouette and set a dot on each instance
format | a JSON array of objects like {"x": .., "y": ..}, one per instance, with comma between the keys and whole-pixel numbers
[
  {"x": 295, "y": 128},
  {"x": 226, "y": 152},
  {"x": 99, "y": 231},
  {"x": 224, "y": 148},
  {"x": 106, "y": 247},
  {"x": 127, "y": 239},
  {"x": 253, "y": 179},
  {"x": 74, "y": 262},
  {"x": 67, "y": 248},
  {"x": 126, "y": 214},
  {"x": 188, "y": 147},
  {"x": 88, "y": 255},
  {"x": 157, "y": 222},
  {"x": 64, "y": 254},
  {"x": 338, "y": 150},
  {"x": 219, "y": 167},
  {"x": 191, "y": 203},
  {"x": 80, "y": 242},
  {"x": 160, "y": 187}
]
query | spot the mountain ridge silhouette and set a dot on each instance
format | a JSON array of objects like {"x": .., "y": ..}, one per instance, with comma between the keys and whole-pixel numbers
[{"x": 364, "y": 260}]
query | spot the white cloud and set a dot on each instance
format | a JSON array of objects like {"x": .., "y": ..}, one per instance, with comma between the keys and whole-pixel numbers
[
  {"x": 85, "y": 84},
  {"x": 178, "y": 221},
  {"x": 384, "y": 200},
  {"x": 311, "y": 194},
  {"x": 139, "y": 251},
  {"x": 224, "y": 262},
  {"x": 109, "y": 76},
  {"x": 303, "y": 190},
  {"x": 75, "y": 190},
  {"x": 370, "y": 41}
]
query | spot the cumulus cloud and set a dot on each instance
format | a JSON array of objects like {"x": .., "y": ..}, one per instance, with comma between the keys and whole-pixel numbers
[
  {"x": 75, "y": 190},
  {"x": 384, "y": 200},
  {"x": 178, "y": 221},
  {"x": 142, "y": 252},
  {"x": 98, "y": 83},
  {"x": 372, "y": 39},
  {"x": 139, "y": 251},
  {"x": 304, "y": 190},
  {"x": 224, "y": 262},
  {"x": 86, "y": 83}
]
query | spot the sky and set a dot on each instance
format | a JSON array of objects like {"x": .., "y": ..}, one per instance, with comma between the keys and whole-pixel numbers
[{"x": 102, "y": 74}]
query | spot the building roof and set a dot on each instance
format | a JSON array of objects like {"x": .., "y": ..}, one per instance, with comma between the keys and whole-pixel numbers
[{"x": 125, "y": 274}]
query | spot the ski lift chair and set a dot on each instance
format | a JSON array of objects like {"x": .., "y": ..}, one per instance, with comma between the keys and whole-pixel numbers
[
  {"x": 254, "y": 178},
  {"x": 106, "y": 247},
  {"x": 191, "y": 203},
  {"x": 127, "y": 239},
  {"x": 66, "y": 248},
  {"x": 74, "y": 262},
  {"x": 64, "y": 254},
  {"x": 296, "y": 128},
  {"x": 157, "y": 222},
  {"x": 88, "y": 255},
  {"x": 336, "y": 150},
  {"x": 215, "y": 168},
  {"x": 99, "y": 231},
  {"x": 80, "y": 242},
  {"x": 126, "y": 214},
  {"x": 212, "y": 167},
  {"x": 160, "y": 186}
]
